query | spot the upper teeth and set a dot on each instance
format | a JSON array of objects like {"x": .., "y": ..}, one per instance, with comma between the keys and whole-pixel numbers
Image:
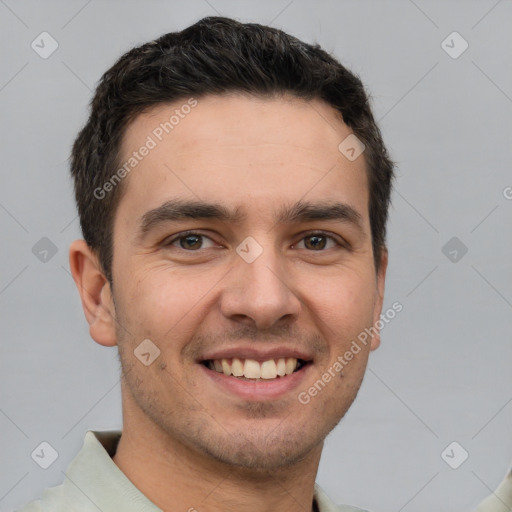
[{"x": 252, "y": 369}]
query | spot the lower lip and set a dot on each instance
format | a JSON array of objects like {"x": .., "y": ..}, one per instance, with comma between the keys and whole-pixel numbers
[{"x": 261, "y": 389}]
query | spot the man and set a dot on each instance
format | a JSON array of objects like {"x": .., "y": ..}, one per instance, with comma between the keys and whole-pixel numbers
[{"x": 233, "y": 191}]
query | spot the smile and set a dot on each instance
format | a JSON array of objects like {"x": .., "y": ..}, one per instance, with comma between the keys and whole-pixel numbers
[{"x": 255, "y": 370}]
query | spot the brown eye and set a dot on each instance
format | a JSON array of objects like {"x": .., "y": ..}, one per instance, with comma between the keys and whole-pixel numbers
[
  {"x": 315, "y": 242},
  {"x": 189, "y": 241},
  {"x": 319, "y": 241}
]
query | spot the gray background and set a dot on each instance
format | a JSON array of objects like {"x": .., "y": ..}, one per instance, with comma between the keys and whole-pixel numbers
[{"x": 442, "y": 373}]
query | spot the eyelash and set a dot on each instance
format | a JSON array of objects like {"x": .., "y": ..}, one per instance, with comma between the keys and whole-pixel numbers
[{"x": 185, "y": 234}]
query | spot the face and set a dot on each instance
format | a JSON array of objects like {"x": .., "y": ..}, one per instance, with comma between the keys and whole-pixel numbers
[{"x": 242, "y": 250}]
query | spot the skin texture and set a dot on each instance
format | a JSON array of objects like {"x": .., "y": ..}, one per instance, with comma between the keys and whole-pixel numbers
[{"x": 187, "y": 442}]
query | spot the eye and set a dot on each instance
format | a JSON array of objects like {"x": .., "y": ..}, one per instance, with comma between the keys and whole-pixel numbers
[
  {"x": 189, "y": 241},
  {"x": 192, "y": 241},
  {"x": 318, "y": 241}
]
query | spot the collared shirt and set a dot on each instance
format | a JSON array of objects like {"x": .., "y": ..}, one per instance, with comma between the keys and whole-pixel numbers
[{"x": 94, "y": 482}]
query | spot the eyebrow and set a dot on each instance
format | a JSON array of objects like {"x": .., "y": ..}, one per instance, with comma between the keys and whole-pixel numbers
[{"x": 302, "y": 211}]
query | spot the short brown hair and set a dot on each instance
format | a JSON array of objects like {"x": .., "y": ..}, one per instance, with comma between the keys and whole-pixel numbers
[{"x": 216, "y": 55}]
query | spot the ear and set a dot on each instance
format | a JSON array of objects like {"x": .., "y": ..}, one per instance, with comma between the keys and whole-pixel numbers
[
  {"x": 381, "y": 279},
  {"x": 95, "y": 292}
]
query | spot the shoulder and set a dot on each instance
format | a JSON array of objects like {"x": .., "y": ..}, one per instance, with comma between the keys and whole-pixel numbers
[
  {"x": 52, "y": 500},
  {"x": 35, "y": 506},
  {"x": 326, "y": 505},
  {"x": 501, "y": 499}
]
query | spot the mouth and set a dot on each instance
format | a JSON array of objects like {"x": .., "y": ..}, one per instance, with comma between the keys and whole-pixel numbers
[{"x": 254, "y": 370}]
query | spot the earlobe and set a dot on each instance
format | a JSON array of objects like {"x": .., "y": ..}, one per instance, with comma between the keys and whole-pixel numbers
[
  {"x": 381, "y": 280},
  {"x": 95, "y": 293}
]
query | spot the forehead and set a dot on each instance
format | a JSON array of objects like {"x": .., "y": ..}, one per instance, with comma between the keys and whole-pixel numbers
[{"x": 243, "y": 151}]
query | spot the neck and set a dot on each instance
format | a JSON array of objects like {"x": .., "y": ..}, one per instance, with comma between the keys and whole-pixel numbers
[{"x": 176, "y": 477}]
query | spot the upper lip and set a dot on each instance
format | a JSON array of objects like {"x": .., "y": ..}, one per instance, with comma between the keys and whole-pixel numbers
[{"x": 258, "y": 354}]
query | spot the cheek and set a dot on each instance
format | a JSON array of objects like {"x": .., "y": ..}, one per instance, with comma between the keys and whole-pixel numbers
[
  {"x": 162, "y": 302},
  {"x": 343, "y": 321},
  {"x": 346, "y": 303}
]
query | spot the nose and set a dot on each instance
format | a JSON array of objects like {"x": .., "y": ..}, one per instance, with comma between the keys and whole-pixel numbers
[{"x": 260, "y": 293}]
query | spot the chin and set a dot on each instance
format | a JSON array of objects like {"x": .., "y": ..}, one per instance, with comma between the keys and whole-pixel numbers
[
  {"x": 262, "y": 457},
  {"x": 262, "y": 449}
]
